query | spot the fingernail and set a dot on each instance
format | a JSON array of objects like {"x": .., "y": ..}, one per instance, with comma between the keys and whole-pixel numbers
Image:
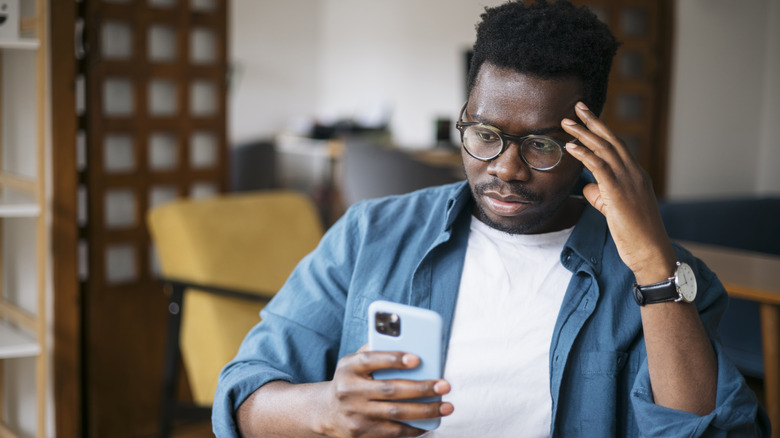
[
  {"x": 569, "y": 122},
  {"x": 408, "y": 359},
  {"x": 441, "y": 387},
  {"x": 570, "y": 146},
  {"x": 582, "y": 106}
]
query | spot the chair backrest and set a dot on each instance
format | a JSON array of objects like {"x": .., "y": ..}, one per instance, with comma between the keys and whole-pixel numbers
[
  {"x": 249, "y": 242},
  {"x": 372, "y": 170},
  {"x": 749, "y": 223}
]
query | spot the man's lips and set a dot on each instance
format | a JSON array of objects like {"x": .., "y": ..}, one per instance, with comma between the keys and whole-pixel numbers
[{"x": 506, "y": 205}]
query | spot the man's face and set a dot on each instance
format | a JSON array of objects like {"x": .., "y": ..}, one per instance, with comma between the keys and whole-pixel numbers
[{"x": 510, "y": 196}]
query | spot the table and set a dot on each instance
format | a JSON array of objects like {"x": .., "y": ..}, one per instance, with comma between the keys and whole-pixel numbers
[{"x": 753, "y": 276}]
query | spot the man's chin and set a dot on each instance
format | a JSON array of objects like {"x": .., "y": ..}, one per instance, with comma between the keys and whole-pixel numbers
[{"x": 521, "y": 224}]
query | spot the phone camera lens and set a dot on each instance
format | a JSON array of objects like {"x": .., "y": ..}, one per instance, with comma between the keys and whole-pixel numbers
[{"x": 388, "y": 323}]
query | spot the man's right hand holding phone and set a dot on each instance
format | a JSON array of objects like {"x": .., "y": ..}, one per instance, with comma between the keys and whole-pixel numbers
[
  {"x": 353, "y": 404},
  {"x": 367, "y": 407}
]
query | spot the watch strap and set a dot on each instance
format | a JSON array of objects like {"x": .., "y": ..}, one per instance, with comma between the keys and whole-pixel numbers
[{"x": 660, "y": 292}]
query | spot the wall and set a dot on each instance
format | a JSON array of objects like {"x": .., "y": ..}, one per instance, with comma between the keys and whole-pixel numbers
[
  {"x": 769, "y": 155},
  {"x": 406, "y": 56},
  {"x": 273, "y": 52},
  {"x": 724, "y": 133}
]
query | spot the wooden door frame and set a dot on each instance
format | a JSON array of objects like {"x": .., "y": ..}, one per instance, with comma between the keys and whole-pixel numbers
[
  {"x": 67, "y": 298},
  {"x": 69, "y": 339}
]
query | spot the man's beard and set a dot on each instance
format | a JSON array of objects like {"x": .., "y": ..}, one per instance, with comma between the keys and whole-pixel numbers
[{"x": 513, "y": 228}]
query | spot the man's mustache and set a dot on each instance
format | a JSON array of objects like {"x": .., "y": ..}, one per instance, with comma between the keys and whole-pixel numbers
[{"x": 511, "y": 187}]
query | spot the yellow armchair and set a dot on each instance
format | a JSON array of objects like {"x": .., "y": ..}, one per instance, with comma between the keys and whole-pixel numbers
[{"x": 231, "y": 254}]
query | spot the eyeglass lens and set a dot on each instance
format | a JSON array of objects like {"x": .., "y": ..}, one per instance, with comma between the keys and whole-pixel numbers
[{"x": 484, "y": 143}]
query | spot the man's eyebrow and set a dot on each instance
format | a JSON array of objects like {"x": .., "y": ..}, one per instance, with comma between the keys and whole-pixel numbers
[
  {"x": 539, "y": 131},
  {"x": 545, "y": 131}
]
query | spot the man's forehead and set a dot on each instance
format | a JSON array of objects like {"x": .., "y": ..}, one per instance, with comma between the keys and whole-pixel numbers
[{"x": 505, "y": 96}]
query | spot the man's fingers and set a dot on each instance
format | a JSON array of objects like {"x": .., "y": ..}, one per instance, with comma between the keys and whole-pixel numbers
[
  {"x": 607, "y": 176},
  {"x": 366, "y": 362},
  {"x": 590, "y": 144},
  {"x": 397, "y": 389},
  {"x": 391, "y": 389},
  {"x": 405, "y": 411},
  {"x": 594, "y": 124}
]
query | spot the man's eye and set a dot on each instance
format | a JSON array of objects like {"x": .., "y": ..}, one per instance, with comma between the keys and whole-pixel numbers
[
  {"x": 542, "y": 146},
  {"x": 486, "y": 136}
]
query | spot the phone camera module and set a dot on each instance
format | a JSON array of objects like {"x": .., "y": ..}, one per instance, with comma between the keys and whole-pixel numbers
[{"x": 388, "y": 324}]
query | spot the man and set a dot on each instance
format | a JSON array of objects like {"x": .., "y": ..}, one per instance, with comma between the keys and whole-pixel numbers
[{"x": 536, "y": 284}]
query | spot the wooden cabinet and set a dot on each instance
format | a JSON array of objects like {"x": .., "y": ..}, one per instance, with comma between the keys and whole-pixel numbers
[{"x": 23, "y": 224}]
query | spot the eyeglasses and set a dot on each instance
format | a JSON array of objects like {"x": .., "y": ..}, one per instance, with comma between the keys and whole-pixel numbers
[{"x": 485, "y": 143}]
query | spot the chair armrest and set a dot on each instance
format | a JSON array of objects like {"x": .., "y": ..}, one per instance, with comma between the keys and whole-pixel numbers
[{"x": 182, "y": 285}]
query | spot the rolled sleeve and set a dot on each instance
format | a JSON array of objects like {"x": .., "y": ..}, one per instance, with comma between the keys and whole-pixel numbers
[{"x": 277, "y": 349}]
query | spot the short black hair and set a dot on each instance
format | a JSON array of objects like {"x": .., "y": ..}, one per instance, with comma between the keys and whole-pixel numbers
[{"x": 547, "y": 40}]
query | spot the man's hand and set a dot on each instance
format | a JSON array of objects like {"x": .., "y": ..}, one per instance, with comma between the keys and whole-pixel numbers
[
  {"x": 363, "y": 406},
  {"x": 353, "y": 404},
  {"x": 624, "y": 194},
  {"x": 680, "y": 358}
]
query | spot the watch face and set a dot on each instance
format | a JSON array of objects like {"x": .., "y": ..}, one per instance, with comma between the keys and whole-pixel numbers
[{"x": 686, "y": 282}]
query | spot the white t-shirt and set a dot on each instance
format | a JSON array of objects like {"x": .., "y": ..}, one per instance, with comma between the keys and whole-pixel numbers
[{"x": 510, "y": 294}]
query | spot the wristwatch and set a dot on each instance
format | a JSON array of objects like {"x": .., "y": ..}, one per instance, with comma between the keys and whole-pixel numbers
[{"x": 680, "y": 288}]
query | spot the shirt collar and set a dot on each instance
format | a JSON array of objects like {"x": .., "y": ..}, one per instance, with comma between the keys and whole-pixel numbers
[
  {"x": 458, "y": 201},
  {"x": 586, "y": 241}
]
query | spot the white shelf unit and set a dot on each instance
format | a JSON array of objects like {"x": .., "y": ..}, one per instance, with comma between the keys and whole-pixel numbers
[
  {"x": 23, "y": 333},
  {"x": 15, "y": 343},
  {"x": 20, "y": 43}
]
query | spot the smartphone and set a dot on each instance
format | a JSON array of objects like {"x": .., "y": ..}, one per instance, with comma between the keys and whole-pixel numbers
[{"x": 399, "y": 327}]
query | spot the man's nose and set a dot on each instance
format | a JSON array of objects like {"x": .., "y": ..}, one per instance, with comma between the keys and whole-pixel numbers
[{"x": 509, "y": 166}]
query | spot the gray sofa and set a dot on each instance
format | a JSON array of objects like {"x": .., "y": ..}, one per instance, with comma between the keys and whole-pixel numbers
[{"x": 749, "y": 223}]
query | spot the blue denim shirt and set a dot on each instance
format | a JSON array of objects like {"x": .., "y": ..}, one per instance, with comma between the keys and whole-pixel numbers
[{"x": 410, "y": 249}]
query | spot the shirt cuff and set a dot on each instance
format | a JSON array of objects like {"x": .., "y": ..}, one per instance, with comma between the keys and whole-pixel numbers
[{"x": 737, "y": 411}]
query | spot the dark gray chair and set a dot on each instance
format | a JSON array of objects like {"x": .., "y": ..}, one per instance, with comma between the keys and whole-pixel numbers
[
  {"x": 253, "y": 166},
  {"x": 372, "y": 170}
]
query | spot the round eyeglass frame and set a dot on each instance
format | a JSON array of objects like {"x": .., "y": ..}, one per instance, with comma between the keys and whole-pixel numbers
[{"x": 505, "y": 139}]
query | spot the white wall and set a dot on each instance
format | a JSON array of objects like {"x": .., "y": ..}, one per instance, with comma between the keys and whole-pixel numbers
[
  {"x": 273, "y": 52},
  {"x": 351, "y": 55},
  {"x": 406, "y": 55},
  {"x": 724, "y": 114},
  {"x": 769, "y": 154}
]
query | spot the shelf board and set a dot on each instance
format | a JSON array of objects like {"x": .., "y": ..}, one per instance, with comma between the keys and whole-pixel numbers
[
  {"x": 19, "y": 209},
  {"x": 19, "y": 43},
  {"x": 14, "y": 204},
  {"x": 16, "y": 344}
]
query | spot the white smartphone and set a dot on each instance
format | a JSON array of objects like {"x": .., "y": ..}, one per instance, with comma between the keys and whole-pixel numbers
[{"x": 400, "y": 327}]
